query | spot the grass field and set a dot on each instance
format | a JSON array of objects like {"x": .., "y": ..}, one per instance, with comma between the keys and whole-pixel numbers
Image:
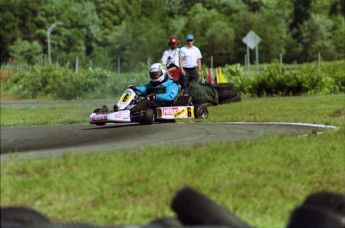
[{"x": 260, "y": 180}]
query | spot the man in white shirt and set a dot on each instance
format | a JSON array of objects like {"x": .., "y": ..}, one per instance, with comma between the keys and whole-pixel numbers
[
  {"x": 170, "y": 60},
  {"x": 190, "y": 62},
  {"x": 171, "y": 56}
]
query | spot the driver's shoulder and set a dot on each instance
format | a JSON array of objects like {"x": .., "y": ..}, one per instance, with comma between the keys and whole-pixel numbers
[{"x": 170, "y": 82}]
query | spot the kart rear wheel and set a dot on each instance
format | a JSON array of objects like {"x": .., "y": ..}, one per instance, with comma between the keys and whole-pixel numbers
[
  {"x": 100, "y": 123},
  {"x": 201, "y": 111},
  {"x": 147, "y": 116}
]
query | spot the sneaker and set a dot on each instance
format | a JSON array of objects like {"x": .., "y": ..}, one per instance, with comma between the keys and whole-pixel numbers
[{"x": 184, "y": 92}]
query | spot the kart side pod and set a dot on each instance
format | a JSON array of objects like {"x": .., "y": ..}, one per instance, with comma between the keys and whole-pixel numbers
[
  {"x": 113, "y": 117},
  {"x": 175, "y": 112},
  {"x": 182, "y": 112}
]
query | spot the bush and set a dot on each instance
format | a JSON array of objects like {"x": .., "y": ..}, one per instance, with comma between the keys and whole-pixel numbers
[
  {"x": 276, "y": 80},
  {"x": 54, "y": 82}
]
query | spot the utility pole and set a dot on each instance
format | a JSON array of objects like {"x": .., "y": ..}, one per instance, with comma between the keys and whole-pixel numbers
[{"x": 50, "y": 29}]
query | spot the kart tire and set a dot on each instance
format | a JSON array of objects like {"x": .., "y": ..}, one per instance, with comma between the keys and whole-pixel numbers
[
  {"x": 22, "y": 216},
  {"x": 237, "y": 98},
  {"x": 101, "y": 110},
  {"x": 100, "y": 123},
  {"x": 165, "y": 121},
  {"x": 147, "y": 116},
  {"x": 227, "y": 94},
  {"x": 201, "y": 111},
  {"x": 98, "y": 111},
  {"x": 223, "y": 86},
  {"x": 195, "y": 209}
]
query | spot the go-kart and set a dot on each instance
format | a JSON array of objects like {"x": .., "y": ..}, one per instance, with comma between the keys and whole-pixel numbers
[{"x": 182, "y": 108}]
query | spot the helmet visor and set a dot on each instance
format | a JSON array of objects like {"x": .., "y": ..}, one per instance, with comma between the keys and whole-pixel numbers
[{"x": 155, "y": 75}]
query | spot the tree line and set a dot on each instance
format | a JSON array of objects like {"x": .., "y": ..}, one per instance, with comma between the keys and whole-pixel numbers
[{"x": 102, "y": 33}]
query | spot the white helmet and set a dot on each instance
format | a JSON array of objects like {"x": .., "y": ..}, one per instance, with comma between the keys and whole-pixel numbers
[{"x": 157, "y": 72}]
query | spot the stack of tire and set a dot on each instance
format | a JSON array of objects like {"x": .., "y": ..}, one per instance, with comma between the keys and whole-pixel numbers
[{"x": 226, "y": 93}]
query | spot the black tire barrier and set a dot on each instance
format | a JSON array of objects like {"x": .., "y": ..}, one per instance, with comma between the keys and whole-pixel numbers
[
  {"x": 223, "y": 86},
  {"x": 237, "y": 98},
  {"x": 195, "y": 209},
  {"x": 226, "y": 93},
  {"x": 322, "y": 209},
  {"x": 22, "y": 216}
]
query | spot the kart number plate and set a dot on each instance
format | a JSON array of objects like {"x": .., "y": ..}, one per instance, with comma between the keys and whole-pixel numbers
[{"x": 125, "y": 97}]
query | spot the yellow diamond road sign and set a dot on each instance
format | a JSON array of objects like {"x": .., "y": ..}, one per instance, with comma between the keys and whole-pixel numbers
[{"x": 251, "y": 39}]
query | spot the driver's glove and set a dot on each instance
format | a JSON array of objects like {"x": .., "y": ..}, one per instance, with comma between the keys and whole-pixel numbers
[
  {"x": 132, "y": 87},
  {"x": 151, "y": 97}
]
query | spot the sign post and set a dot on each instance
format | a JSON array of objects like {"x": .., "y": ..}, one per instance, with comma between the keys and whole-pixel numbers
[{"x": 252, "y": 40}]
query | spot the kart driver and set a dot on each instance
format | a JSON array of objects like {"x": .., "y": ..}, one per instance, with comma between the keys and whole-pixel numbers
[{"x": 160, "y": 91}]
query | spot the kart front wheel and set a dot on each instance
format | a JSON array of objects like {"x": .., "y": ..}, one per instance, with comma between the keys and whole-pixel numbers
[
  {"x": 147, "y": 116},
  {"x": 201, "y": 111},
  {"x": 99, "y": 111}
]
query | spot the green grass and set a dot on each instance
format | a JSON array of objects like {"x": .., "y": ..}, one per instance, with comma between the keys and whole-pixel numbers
[
  {"x": 43, "y": 115},
  {"x": 308, "y": 109},
  {"x": 260, "y": 180},
  {"x": 328, "y": 110}
]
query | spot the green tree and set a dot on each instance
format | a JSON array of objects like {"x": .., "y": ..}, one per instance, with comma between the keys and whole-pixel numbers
[
  {"x": 301, "y": 14},
  {"x": 25, "y": 51},
  {"x": 337, "y": 8},
  {"x": 17, "y": 21},
  {"x": 271, "y": 24},
  {"x": 213, "y": 33},
  {"x": 79, "y": 33},
  {"x": 219, "y": 44},
  {"x": 317, "y": 37},
  {"x": 137, "y": 31},
  {"x": 338, "y": 35},
  {"x": 111, "y": 14}
]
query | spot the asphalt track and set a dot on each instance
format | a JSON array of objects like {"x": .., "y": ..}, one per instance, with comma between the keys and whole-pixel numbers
[{"x": 55, "y": 140}]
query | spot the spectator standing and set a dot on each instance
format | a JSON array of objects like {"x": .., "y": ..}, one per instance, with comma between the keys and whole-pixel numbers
[
  {"x": 171, "y": 61},
  {"x": 190, "y": 63},
  {"x": 170, "y": 57}
]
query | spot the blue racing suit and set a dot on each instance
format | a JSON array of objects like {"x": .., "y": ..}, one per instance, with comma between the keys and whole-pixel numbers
[{"x": 165, "y": 91}]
